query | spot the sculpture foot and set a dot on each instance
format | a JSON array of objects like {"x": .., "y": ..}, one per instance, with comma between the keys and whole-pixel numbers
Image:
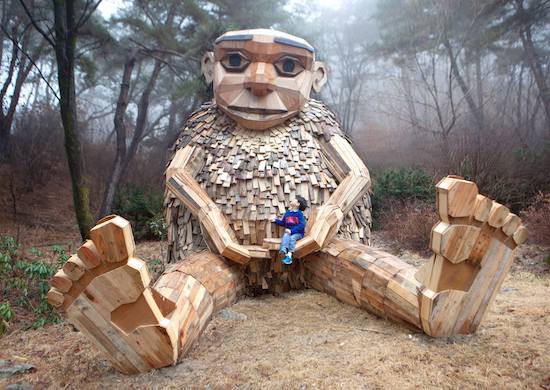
[
  {"x": 473, "y": 250},
  {"x": 106, "y": 294}
]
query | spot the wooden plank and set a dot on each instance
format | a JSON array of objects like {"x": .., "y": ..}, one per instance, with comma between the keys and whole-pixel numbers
[
  {"x": 498, "y": 215},
  {"x": 454, "y": 242},
  {"x": 74, "y": 268},
  {"x": 84, "y": 315},
  {"x": 520, "y": 235},
  {"x": 89, "y": 254},
  {"x": 61, "y": 281},
  {"x": 496, "y": 256},
  {"x": 113, "y": 239},
  {"x": 439, "y": 311},
  {"x": 55, "y": 297},
  {"x": 511, "y": 224},
  {"x": 455, "y": 198},
  {"x": 482, "y": 208}
]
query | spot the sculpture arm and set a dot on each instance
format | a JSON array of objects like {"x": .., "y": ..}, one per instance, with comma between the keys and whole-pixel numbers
[
  {"x": 354, "y": 179},
  {"x": 214, "y": 224}
]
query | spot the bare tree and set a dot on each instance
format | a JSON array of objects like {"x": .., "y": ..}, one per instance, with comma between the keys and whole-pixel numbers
[
  {"x": 62, "y": 36},
  {"x": 525, "y": 19},
  {"x": 26, "y": 49}
]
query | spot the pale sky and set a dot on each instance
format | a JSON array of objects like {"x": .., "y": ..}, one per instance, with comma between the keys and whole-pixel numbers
[{"x": 109, "y": 7}]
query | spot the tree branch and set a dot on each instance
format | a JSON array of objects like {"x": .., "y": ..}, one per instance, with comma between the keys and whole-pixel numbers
[
  {"x": 35, "y": 24},
  {"x": 84, "y": 18},
  {"x": 31, "y": 60}
]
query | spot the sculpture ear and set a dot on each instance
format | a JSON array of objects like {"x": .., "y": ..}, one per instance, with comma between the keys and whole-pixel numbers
[
  {"x": 207, "y": 66},
  {"x": 319, "y": 76}
]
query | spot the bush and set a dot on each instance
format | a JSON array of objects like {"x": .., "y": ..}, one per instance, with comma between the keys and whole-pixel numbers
[
  {"x": 408, "y": 223},
  {"x": 403, "y": 183},
  {"x": 537, "y": 219},
  {"x": 404, "y": 207},
  {"x": 6, "y": 314},
  {"x": 24, "y": 281},
  {"x": 399, "y": 184},
  {"x": 144, "y": 209}
]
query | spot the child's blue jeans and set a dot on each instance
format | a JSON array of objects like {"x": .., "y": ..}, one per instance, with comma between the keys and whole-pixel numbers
[{"x": 288, "y": 243}]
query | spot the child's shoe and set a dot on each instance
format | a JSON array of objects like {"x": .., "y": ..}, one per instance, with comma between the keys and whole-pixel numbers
[{"x": 287, "y": 260}]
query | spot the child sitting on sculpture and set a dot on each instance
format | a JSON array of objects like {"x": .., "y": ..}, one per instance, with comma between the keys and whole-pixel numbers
[{"x": 295, "y": 223}]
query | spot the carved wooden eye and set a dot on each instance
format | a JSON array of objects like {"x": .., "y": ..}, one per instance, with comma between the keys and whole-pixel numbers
[
  {"x": 234, "y": 62},
  {"x": 288, "y": 66}
]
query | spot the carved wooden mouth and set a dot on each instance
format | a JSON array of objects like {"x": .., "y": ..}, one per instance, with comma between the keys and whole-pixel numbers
[{"x": 261, "y": 111}]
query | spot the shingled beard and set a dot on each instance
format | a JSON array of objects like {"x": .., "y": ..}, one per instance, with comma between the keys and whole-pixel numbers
[{"x": 253, "y": 175}]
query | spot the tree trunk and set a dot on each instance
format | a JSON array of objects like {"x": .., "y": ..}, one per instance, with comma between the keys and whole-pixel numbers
[
  {"x": 124, "y": 156},
  {"x": 143, "y": 111},
  {"x": 463, "y": 87},
  {"x": 120, "y": 131},
  {"x": 4, "y": 139},
  {"x": 65, "y": 44},
  {"x": 534, "y": 62},
  {"x": 479, "y": 87}
]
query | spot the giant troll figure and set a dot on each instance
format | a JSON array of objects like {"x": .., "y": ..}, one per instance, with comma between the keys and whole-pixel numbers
[{"x": 238, "y": 162}]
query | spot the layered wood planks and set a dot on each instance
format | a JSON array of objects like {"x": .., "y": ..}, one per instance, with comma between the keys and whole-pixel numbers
[
  {"x": 252, "y": 175},
  {"x": 202, "y": 285},
  {"x": 366, "y": 277},
  {"x": 473, "y": 251},
  {"x": 107, "y": 295}
]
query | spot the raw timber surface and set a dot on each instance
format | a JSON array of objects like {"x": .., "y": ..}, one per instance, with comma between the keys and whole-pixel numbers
[
  {"x": 309, "y": 340},
  {"x": 251, "y": 175}
]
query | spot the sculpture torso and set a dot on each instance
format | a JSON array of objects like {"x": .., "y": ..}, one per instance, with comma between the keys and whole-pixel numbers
[{"x": 252, "y": 175}]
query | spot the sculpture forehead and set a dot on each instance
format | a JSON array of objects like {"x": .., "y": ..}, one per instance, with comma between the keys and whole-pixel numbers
[{"x": 265, "y": 41}]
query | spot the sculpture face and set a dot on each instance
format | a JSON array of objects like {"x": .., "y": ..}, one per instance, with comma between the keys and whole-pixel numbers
[{"x": 262, "y": 77}]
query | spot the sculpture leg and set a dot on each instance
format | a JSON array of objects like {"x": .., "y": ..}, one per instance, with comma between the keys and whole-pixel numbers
[
  {"x": 107, "y": 295},
  {"x": 473, "y": 251},
  {"x": 366, "y": 277}
]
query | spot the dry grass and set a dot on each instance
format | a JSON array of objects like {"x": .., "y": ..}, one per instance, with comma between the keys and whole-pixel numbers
[{"x": 307, "y": 340}]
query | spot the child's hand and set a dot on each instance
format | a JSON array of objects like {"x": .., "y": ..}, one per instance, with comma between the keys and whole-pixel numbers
[{"x": 287, "y": 231}]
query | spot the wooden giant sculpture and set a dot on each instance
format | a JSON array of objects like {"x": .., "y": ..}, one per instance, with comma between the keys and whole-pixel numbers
[{"x": 238, "y": 163}]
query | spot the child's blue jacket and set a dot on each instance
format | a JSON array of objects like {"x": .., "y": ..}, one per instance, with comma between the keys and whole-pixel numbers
[{"x": 293, "y": 220}]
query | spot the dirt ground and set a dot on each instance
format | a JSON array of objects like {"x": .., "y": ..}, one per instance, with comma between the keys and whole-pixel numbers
[{"x": 308, "y": 340}]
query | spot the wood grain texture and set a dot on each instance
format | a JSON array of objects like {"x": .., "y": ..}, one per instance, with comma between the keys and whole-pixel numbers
[
  {"x": 473, "y": 252},
  {"x": 366, "y": 277},
  {"x": 251, "y": 176},
  {"x": 137, "y": 326}
]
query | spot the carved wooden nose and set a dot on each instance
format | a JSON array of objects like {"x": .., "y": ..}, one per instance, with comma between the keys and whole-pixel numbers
[{"x": 259, "y": 82}]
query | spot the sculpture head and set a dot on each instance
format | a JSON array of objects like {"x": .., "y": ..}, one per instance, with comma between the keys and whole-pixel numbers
[{"x": 262, "y": 77}]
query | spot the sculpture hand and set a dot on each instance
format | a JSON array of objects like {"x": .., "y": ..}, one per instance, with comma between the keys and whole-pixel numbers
[
  {"x": 214, "y": 225},
  {"x": 219, "y": 235},
  {"x": 325, "y": 223}
]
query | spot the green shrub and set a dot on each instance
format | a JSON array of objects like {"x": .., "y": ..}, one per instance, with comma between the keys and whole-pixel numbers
[
  {"x": 403, "y": 183},
  {"x": 25, "y": 281},
  {"x": 144, "y": 209},
  {"x": 399, "y": 184},
  {"x": 8, "y": 249},
  {"x": 6, "y": 314}
]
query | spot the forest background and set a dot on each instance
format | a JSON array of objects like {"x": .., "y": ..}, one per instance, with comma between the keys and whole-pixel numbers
[{"x": 93, "y": 95}]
